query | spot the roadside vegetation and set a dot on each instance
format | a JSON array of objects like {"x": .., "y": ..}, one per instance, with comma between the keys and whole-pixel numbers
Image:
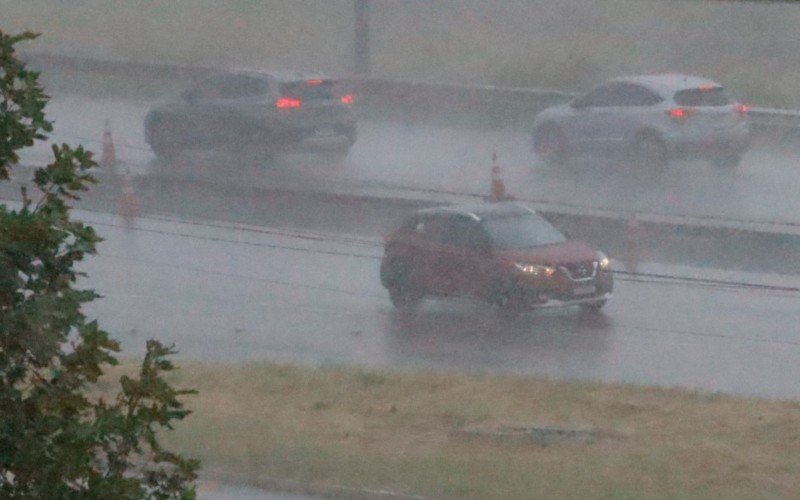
[
  {"x": 57, "y": 438},
  {"x": 749, "y": 46},
  {"x": 462, "y": 436}
]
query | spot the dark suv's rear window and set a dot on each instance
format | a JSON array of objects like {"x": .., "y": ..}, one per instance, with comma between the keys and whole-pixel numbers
[
  {"x": 308, "y": 90},
  {"x": 714, "y": 96}
]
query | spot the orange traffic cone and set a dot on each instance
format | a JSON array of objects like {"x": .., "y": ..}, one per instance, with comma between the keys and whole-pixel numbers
[
  {"x": 128, "y": 207},
  {"x": 498, "y": 189},
  {"x": 109, "y": 158}
]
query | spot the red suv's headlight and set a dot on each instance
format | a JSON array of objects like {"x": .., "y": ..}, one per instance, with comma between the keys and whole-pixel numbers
[{"x": 535, "y": 269}]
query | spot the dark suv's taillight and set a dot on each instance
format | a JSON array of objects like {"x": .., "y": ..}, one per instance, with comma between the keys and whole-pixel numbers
[
  {"x": 288, "y": 103},
  {"x": 680, "y": 115}
]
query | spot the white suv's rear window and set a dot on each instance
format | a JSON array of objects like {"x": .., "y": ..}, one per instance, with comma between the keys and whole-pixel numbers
[{"x": 714, "y": 96}]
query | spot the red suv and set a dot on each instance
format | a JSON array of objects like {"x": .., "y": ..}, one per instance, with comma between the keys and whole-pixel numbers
[{"x": 504, "y": 253}]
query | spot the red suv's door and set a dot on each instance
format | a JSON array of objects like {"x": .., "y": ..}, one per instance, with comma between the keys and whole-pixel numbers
[
  {"x": 426, "y": 249},
  {"x": 463, "y": 265}
]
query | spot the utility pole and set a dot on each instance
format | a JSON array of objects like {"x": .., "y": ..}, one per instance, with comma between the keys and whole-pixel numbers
[{"x": 361, "y": 40}]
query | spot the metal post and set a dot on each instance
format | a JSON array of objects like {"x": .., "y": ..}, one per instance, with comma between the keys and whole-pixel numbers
[{"x": 361, "y": 41}]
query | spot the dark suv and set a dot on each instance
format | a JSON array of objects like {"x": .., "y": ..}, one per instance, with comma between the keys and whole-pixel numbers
[
  {"x": 273, "y": 112},
  {"x": 504, "y": 253}
]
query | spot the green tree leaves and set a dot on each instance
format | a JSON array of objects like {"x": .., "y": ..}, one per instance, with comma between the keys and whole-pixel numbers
[{"x": 58, "y": 437}]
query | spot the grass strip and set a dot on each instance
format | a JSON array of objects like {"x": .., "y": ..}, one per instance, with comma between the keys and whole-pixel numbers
[{"x": 481, "y": 436}]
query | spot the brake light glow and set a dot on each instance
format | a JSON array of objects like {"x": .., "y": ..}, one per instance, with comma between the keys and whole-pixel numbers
[
  {"x": 680, "y": 114},
  {"x": 314, "y": 82},
  {"x": 288, "y": 103},
  {"x": 347, "y": 99},
  {"x": 742, "y": 109}
]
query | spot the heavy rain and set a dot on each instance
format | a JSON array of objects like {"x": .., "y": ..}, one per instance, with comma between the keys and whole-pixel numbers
[{"x": 312, "y": 185}]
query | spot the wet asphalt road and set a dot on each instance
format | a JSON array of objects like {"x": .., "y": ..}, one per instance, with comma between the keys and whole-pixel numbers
[
  {"x": 223, "y": 294},
  {"x": 763, "y": 188},
  {"x": 227, "y": 294}
]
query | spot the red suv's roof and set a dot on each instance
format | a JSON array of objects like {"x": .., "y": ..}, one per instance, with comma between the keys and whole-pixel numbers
[{"x": 479, "y": 211}]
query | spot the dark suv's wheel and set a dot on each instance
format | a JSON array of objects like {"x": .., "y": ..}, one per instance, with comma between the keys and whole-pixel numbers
[
  {"x": 335, "y": 157},
  {"x": 550, "y": 144},
  {"x": 649, "y": 151},
  {"x": 165, "y": 148},
  {"x": 162, "y": 139}
]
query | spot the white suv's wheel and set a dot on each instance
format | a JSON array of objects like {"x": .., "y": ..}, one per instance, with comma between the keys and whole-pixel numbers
[
  {"x": 550, "y": 144},
  {"x": 649, "y": 151}
]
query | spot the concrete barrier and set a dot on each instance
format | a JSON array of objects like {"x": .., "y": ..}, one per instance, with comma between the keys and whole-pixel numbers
[
  {"x": 693, "y": 241},
  {"x": 406, "y": 99}
]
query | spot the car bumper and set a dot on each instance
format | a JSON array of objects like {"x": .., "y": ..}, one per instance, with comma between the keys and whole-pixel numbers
[
  {"x": 323, "y": 144},
  {"x": 733, "y": 141},
  {"x": 562, "y": 292},
  {"x": 571, "y": 302},
  {"x": 333, "y": 137}
]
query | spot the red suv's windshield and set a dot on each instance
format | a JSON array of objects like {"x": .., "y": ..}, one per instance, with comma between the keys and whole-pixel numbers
[{"x": 516, "y": 232}]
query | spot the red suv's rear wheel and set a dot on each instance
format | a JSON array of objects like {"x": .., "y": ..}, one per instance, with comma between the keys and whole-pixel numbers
[
  {"x": 649, "y": 151},
  {"x": 405, "y": 297},
  {"x": 396, "y": 276}
]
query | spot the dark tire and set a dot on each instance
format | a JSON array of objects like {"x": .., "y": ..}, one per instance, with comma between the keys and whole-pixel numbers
[
  {"x": 511, "y": 304},
  {"x": 405, "y": 298},
  {"x": 649, "y": 151},
  {"x": 727, "y": 161},
  {"x": 550, "y": 144},
  {"x": 161, "y": 136},
  {"x": 396, "y": 277},
  {"x": 163, "y": 145},
  {"x": 593, "y": 306},
  {"x": 336, "y": 157}
]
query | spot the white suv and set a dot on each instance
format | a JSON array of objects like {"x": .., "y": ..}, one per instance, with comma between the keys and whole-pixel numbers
[{"x": 652, "y": 118}]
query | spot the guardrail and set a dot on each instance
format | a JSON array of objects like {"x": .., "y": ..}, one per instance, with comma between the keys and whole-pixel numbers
[
  {"x": 406, "y": 99},
  {"x": 774, "y": 117}
]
